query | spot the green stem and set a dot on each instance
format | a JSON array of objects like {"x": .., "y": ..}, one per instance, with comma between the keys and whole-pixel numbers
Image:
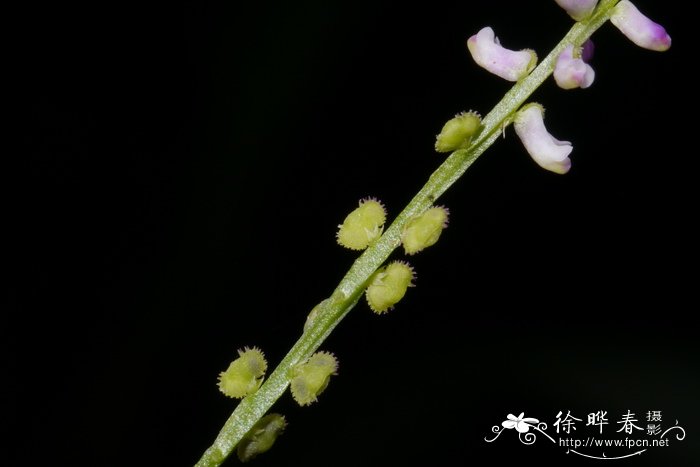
[{"x": 350, "y": 289}]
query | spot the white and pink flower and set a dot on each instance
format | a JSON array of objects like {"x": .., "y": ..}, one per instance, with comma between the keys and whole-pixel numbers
[
  {"x": 638, "y": 28},
  {"x": 571, "y": 71},
  {"x": 488, "y": 53},
  {"x": 547, "y": 151}
]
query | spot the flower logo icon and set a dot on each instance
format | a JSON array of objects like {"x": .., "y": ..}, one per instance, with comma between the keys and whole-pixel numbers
[{"x": 522, "y": 425}]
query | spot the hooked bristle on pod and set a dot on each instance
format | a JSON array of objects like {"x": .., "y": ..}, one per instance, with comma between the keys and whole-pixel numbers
[
  {"x": 423, "y": 231},
  {"x": 309, "y": 379},
  {"x": 261, "y": 437},
  {"x": 245, "y": 374},
  {"x": 388, "y": 285},
  {"x": 458, "y": 132},
  {"x": 363, "y": 225}
]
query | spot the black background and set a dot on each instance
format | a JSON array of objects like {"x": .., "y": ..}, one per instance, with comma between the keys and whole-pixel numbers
[{"x": 182, "y": 171}]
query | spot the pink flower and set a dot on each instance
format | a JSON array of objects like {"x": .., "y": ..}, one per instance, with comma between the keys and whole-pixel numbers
[
  {"x": 571, "y": 72},
  {"x": 547, "y": 151},
  {"x": 578, "y": 9},
  {"x": 638, "y": 28},
  {"x": 488, "y": 53}
]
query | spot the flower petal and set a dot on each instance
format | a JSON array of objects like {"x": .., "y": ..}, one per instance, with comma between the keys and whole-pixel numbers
[
  {"x": 587, "y": 50},
  {"x": 509, "y": 424},
  {"x": 578, "y": 9}
]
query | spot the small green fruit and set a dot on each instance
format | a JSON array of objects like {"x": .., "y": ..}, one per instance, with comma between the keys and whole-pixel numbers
[
  {"x": 424, "y": 230},
  {"x": 363, "y": 225},
  {"x": 244, "y": 375},
  {"x": 309, "y": 379},
  {"x": 388, "y": 285},
  {"x": 458, "y": 132},
  {"x": 261, "y": 437}
]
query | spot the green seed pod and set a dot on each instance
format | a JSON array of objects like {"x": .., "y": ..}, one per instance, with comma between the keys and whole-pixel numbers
[
  {"x": 363, "y": 225},
  {"x": 388, "y": 285},
  {"x": 424, "y": 230},
  {"x": 458, "y": 132},
  {"x": 309, "y": 379},
  {"x": 261, "y": 437},
  {"x": 244, "y": 375}
]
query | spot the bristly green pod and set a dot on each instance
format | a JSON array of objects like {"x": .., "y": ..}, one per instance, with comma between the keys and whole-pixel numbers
[
  {"x": 310, "y": 378},
  {"x": 363, "y": 225},
  {"x": 261, "y": 437},
  {"x": 458, "y": 132},
  {"x": 424, "y": 230},
  {"x": 388, "y": 285},
  {"x": 245, "y": 374}
]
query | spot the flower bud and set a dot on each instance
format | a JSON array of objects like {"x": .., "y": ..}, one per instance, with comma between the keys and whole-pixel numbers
[{"x": 587, "y": 50}]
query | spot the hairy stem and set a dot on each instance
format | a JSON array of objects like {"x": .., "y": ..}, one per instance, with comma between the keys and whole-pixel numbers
[{"x": 332, "y": 310}]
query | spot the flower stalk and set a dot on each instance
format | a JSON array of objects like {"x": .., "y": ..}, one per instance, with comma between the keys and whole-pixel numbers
[{"x": 332, "y": 310}]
